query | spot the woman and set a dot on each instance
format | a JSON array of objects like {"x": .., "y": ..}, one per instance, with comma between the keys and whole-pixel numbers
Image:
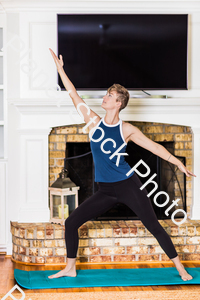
[{"x": 111, "y": 172}]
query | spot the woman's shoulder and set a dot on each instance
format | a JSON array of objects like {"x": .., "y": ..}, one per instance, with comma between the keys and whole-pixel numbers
[
  {"x": 126, "y": 125},
  {"x": 128, "y": 128}
]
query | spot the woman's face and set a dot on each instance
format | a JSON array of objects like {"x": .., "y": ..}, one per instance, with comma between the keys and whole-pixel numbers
[{"x": 109, "y": 101}]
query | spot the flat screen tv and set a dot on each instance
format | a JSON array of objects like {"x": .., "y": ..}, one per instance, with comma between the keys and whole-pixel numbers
[{"x": 138, "y": 51}]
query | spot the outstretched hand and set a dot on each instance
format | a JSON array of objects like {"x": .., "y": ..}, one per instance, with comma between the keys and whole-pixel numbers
[
  {"x": 185, "y": 170},
  {"x": 59, "y": 62}
]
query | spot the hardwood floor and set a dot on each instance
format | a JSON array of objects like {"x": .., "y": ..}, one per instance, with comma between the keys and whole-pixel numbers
[{"x": 7, "y": 280}]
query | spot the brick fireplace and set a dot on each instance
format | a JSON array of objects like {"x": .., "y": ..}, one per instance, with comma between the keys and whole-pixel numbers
[
  {"x": 41, "y": 149},
  {"x": 158, "y": 132},
  {"x": 108, "y": 241}
]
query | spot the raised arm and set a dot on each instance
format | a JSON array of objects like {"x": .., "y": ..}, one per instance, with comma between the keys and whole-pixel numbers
[
  {"x": 135, "y": 135},
  {"x": 73, "y": 93}
]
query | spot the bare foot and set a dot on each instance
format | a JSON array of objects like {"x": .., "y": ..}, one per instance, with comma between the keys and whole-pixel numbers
[
  {"x": 65, "y": 272},
  {"x": 184, "y": 274}
]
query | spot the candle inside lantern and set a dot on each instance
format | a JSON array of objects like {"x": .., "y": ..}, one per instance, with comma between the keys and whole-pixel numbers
[{"x": 66, "y": 211}]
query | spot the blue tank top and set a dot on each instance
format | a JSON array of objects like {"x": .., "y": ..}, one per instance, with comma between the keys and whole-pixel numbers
[{"x": 107, "y": 142}]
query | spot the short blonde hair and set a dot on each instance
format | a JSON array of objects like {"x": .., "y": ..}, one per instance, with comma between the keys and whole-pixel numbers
[{"x": 123, "y": 94}]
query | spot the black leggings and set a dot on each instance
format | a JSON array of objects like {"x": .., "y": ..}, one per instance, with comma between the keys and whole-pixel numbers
[{"x": 126, "y": 191}]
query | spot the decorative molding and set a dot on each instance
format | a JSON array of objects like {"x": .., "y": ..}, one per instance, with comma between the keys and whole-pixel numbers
[
  {"x": 33, "y": 177},
  {"x": 35, "y": 131},
  {"x": 3, "y": 248},
  {"x": 136, "y": 106},
  {"x": 34, "y": 215},
  {"x": 90, "y": 6}
]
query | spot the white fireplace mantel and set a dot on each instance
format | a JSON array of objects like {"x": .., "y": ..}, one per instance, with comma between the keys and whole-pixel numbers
[{"x": 180, "y": 111}]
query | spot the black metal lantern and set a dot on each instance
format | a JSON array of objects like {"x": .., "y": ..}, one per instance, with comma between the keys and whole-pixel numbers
[{"x": 63, "y": 198}]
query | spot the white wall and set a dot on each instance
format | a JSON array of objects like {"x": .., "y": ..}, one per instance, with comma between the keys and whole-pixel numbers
[{"x": 30, "y": 107}]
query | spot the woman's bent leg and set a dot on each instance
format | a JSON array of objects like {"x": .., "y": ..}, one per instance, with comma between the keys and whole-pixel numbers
[{"x": 92, "y": 207}]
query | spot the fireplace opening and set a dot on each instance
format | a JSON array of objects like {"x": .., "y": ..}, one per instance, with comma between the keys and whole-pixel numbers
[{"x": 79, "y": 163}]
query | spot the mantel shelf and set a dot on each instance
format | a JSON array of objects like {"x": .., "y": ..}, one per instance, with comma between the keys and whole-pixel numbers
[
  {"x": 135, "y": 106},
  {"x": 133, "y": 101},
  {"x": 181, "y": 111}
]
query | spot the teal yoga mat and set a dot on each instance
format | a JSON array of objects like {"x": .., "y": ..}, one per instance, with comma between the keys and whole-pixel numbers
[{"x": 105, "y": 277}]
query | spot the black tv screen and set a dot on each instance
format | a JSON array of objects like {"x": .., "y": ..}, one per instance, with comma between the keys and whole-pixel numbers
[{"x": 138, "y": 51}]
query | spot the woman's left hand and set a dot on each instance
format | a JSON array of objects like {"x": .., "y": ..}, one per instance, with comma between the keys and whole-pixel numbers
[{"x": 183, "y": 169}]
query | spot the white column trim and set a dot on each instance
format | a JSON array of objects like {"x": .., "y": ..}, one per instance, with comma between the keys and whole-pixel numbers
[
  {"x": 34, "y": 176},
  {"x": 3, "y": 186},
  {"x": 195, "y": 210}
]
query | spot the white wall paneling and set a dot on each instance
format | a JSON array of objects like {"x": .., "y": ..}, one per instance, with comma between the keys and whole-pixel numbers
[
  {"x": 34, "y": 176},
  {"x": 1, "y": 106},
  {"x": 40, "y": 55},
  {"x": 1, "y": 70},
  {"x": 3, "y": 139},
  {"x": 2, "y": 205},
  {"x": 37, "y": 70}
]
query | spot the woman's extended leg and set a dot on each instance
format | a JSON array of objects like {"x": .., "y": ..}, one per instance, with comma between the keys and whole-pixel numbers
[
  {"x": 140, "y": 203},
  {"x": 94, "y": 206}
]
